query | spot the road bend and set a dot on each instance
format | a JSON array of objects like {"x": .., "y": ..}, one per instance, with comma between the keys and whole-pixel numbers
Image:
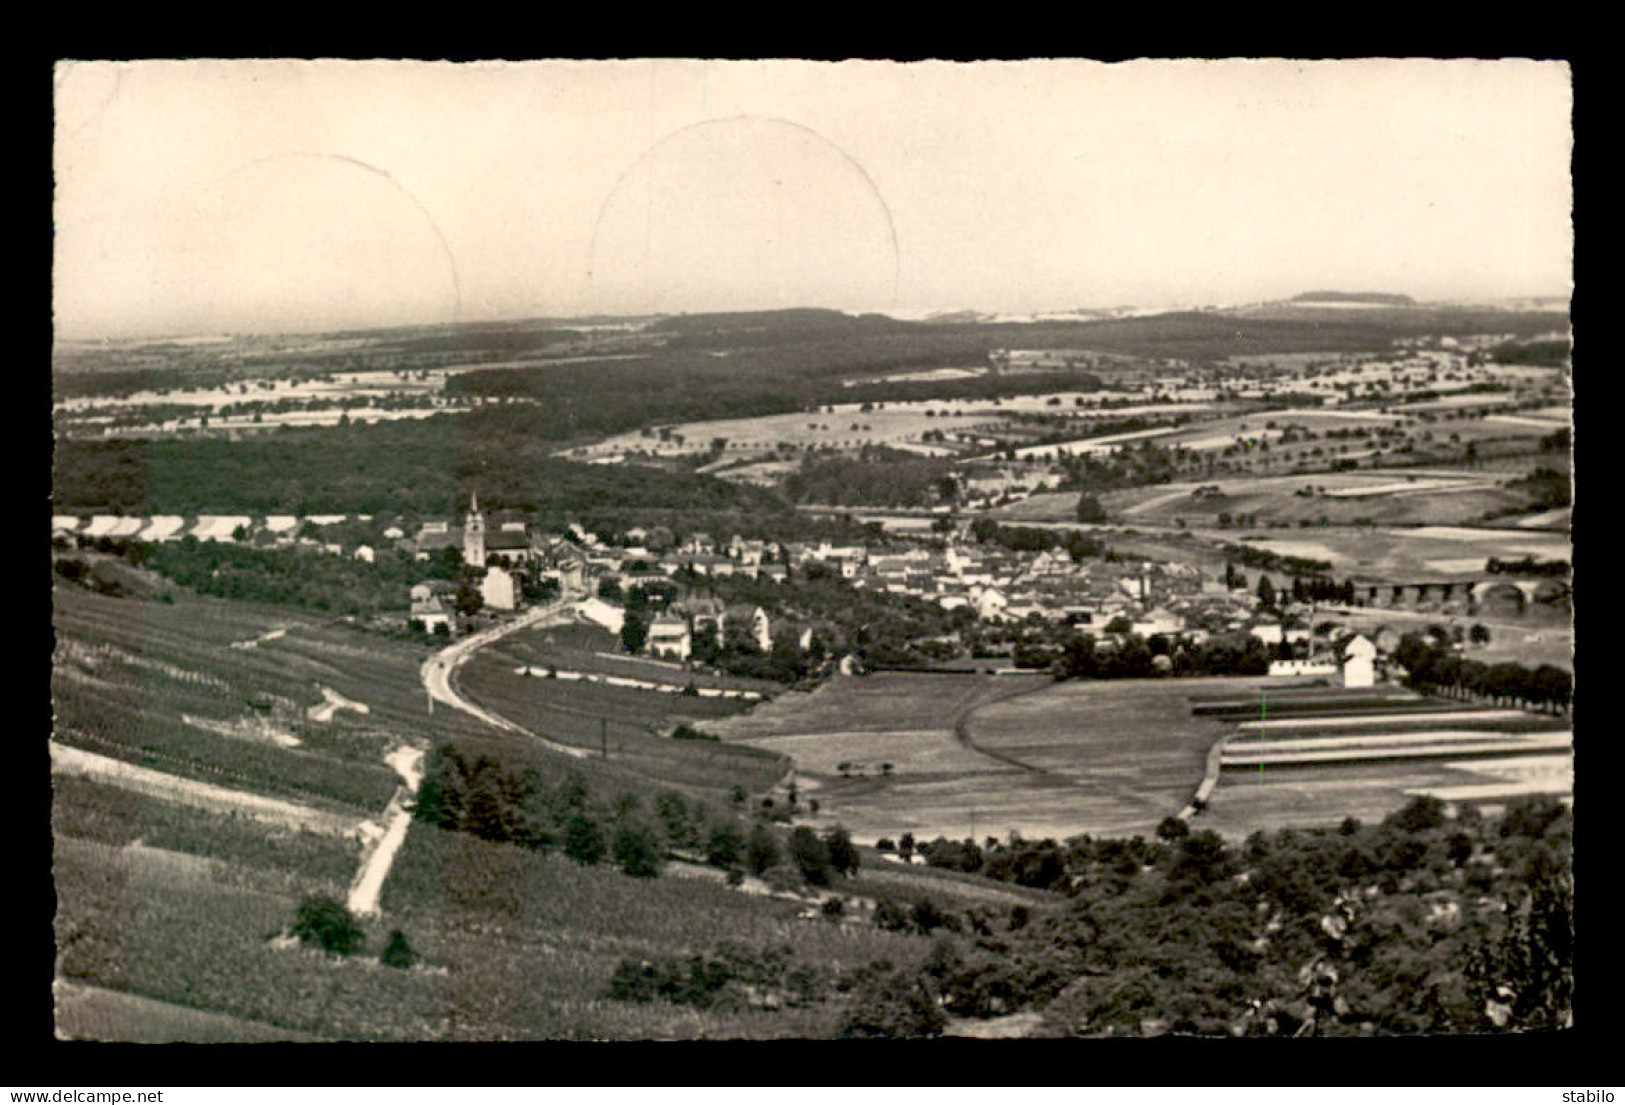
[{"x": 439, "y": 671}]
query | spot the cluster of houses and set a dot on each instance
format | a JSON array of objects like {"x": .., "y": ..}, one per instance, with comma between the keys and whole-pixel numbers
[{"x": 999, "y": 586}]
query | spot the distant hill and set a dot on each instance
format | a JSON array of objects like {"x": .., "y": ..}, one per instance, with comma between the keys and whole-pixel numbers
[
  {"x": 1383, "y": 298},
  {"x": 790, "y": 322}
]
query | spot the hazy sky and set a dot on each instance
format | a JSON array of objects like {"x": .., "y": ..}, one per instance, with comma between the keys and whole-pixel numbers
[{"x": 202, "y": 197}]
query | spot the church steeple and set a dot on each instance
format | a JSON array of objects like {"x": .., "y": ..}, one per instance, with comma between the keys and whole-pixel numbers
[{"x": 474, "y": 534}]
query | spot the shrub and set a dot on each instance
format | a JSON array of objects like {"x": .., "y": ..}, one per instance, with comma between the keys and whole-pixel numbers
[
  {"x": 325, "y": 923},
  {"x": 1530, "y": 816},
  {"x": 761, "y": 850},
  {"x": 584, "y": 841},
  {"x": 399, "y": 953},
  {"x": 637, "y": 851},
  {"x": 1422, "y": 814},
  {"x": 811, "y": 856},
  {"x": 891, "y": 1003}
]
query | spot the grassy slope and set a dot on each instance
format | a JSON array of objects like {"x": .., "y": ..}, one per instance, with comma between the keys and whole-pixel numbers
[{"x": 165, "y": 904}]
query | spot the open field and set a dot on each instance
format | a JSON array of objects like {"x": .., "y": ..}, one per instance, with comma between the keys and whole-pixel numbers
[
  {"x": 1393, "y": 497},
  {"x": 1131, "y": 751},
  {"x": 845, "y": 428},
  {"x": 591, "y": 649},
  {"x": 994, "y": 754},
  {"x": 907, "y": 769},
  {"x": 169, "y": 912},
  {"x": 1409, "y": 746},
  {"x": 881, "y": 703},
  {"x": 1307, "y": 796},
  {"x": 1409, "y": 554},
  {"x": 1338, "y": 755}
]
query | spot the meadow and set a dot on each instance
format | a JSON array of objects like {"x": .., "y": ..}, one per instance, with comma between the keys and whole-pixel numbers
[
  {"x": 939, "y": 755},
  {"x": 1130, "y": 752}
]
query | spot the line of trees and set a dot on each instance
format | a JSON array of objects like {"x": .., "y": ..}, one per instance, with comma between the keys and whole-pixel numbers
[
  {"x": 1033, "y": 539},
  {"x": 1432, "y": 665},
  {"x": 1137, "y": 658}
]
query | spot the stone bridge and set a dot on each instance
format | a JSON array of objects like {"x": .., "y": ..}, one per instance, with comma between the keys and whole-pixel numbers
[{"x": 1467, "y": 595}]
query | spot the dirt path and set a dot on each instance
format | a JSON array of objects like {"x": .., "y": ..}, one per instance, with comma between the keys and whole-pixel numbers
[
  {"x": 961, "y": 730},
  {"x": 380, "y": 854},
  {"x": 1093, "y": 787},
  {"x": 190, "y": 792}
]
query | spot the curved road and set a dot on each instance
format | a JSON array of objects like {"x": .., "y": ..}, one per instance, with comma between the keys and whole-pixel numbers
[{"x": 439, "y": 671}]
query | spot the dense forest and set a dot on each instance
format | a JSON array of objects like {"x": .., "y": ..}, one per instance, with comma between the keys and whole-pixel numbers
[
  {"x": 875, "y": 477},
  {"x": 427, "y": 467}
]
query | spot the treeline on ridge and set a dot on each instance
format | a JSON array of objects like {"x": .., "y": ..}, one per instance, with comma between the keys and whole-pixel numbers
[{"x": 426, "y": 467}]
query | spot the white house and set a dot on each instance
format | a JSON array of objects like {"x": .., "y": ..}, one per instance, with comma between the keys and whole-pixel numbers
[
  {"x": 364, "y": 552},
  {"x": 1358, "y": 663},
  {"x": 989, "y": 602},
  {"x": 497, "y": 589},
  {"x": 1158, "y": 622},
  {"x": 669, "y": 638},
  {"x": 428, "y": 610},
  {"x": 1302, "y": 667}
]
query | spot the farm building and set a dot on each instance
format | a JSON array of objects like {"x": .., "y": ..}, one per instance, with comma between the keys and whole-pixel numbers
[{"x": 1359, "y": 663}]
